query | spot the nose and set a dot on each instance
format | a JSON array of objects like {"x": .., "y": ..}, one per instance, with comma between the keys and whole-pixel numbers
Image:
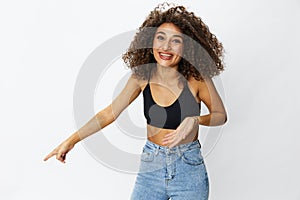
[{"x": 166, "y": 46}]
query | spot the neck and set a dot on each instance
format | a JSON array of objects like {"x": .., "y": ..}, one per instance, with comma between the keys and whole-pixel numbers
[{"x": 166, "y": 74}]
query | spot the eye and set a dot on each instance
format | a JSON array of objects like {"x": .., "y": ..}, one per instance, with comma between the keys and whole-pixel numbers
[
  {"x": 159, "y": 37},
  {"x": 176, "y": 41}
]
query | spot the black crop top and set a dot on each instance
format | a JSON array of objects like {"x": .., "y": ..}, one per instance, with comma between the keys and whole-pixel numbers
[{"x": 171, "y": 116}]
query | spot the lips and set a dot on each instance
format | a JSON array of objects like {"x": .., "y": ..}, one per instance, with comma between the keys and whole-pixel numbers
[{"x": 165, "y": 56}]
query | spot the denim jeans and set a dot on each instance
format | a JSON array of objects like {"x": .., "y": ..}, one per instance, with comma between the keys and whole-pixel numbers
[{"x": 177, "y": 173}]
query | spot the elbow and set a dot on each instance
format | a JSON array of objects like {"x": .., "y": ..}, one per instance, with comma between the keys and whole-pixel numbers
[
  {"x": 217, "y": 119},
  {"x": 224, "y": 118},
  {"x": 221, "y": 118}
]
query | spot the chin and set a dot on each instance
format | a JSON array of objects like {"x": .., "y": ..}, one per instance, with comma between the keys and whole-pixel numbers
[{"x": 167, "y": 65}]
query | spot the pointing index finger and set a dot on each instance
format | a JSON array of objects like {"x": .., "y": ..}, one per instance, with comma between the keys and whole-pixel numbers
[{"x": 49, "y": 155}]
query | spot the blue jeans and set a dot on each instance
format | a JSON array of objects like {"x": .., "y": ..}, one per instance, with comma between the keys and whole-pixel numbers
[{"x": 177, "y": 173}]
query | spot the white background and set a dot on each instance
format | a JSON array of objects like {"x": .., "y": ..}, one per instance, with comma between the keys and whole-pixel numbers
[{"x": 43, "y": 45}]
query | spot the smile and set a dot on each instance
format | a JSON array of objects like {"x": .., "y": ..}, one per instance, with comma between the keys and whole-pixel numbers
[{"x": 165, "y": 56}]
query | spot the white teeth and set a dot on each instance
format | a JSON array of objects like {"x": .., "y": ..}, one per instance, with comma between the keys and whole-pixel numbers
[{"x": 163, "y": 54}]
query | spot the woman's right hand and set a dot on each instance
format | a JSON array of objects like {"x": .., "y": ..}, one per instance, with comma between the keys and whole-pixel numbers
[{"x": 61, "y": 151}]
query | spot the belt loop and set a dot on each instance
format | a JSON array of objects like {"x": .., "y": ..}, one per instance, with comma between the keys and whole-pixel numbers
[
  {"x": 178, "y": 151},
  {"x": 156, "y": 151},
  {"x": 167, "y": 150}
]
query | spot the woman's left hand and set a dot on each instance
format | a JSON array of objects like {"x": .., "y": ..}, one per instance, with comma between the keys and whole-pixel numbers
[{"x": 187, "y": 126}]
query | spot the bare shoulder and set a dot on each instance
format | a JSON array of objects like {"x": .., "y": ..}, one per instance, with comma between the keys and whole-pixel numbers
[
  {"x": 139, "y": 82},
  {"x": 195, "y": 84},
  {"x": 200, "y": 88},
  {"x": 200, "y": 84}
]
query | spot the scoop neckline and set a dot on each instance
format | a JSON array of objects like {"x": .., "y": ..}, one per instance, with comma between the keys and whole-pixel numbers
[{"x": 184, "y": 87}]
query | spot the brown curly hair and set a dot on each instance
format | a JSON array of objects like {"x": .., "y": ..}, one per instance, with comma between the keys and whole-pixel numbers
[{"x": 202, "y": 54}]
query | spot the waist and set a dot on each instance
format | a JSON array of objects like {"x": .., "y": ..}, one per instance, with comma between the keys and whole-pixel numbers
[
  {"x": 156, "y": 135},
  {"x": 165, "y": 149}
]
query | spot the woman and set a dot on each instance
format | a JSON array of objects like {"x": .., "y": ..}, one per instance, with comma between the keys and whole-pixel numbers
[{"x": 173, "y": 58}]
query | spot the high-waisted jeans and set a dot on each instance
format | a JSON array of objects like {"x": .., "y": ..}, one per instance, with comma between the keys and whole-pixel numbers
[{"x": 177, "y": 173}]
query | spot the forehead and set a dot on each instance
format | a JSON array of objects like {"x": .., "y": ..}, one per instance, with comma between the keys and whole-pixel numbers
[{"x": 169, "y": 28}]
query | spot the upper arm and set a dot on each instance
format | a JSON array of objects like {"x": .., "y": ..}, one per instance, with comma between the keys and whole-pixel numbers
[
  {"x": 210, "y": 97},
  {"x": 128, "y": 94}
]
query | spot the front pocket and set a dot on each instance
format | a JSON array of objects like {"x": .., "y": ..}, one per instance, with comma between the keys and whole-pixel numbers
[
  {"x": 193, "y": 157},
  {"x": 147, "y": 156}
]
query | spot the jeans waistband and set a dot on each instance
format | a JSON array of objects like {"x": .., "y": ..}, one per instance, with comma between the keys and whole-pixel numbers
[{"x": 178, "y": 148}]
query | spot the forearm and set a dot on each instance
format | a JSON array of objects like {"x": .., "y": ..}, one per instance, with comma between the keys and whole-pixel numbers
[
  {"x": 95, "y": 124},
  {"x": 212, "y": 119}
]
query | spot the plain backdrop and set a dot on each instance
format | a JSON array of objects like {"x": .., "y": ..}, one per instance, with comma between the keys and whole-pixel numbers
[{"x": 43, "y": 45}]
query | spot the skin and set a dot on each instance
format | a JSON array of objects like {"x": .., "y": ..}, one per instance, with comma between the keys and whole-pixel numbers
[{"x": 165, "y": 89}]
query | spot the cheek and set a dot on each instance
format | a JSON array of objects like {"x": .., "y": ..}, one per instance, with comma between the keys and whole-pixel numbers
[
  {"x": 156, "y": 54},
  {"x": 178, "y": 51},
  {"x": 155, "y": 44}
]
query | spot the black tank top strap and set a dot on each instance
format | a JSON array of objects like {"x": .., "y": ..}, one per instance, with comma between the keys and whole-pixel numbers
[
  {"x": 149, "y": 75},
  {"x": 184, "y": 82}
]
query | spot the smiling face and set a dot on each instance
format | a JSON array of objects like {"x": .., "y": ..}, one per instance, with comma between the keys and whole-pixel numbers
[{"x": 168, "y": 45}]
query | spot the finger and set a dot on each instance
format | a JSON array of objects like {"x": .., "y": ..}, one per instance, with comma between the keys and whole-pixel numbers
[
  {"x": 171, "y": 137},
  {"x": 165, "y": 142},
  {"x": 63, "y": 157},
  {"x": 168, "y": 139},
  {"x": 49, "y": 155},
  {"x": 60, "y": 157},
  {"x": 179, "y": 137},
  {"x": 171, "y": 133},
  {"x": 174, "y": 143}
]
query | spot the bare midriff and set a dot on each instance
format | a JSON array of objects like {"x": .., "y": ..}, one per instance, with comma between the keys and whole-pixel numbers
[{"x": 156, "y": 135}]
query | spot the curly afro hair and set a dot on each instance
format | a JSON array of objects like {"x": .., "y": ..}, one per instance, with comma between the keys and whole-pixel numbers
[{"x": 202, "y": 53}]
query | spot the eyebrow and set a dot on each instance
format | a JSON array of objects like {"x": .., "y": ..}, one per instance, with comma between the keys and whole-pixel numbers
[{"x": 161, "y": 32}]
